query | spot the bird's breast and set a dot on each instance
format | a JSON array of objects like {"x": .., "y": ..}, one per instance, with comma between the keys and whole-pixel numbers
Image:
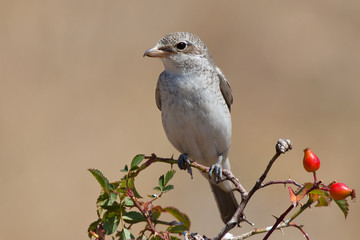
[{"x": 195, "y": 116}]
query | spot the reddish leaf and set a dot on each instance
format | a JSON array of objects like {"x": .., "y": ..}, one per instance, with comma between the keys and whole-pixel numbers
[{"x": 295, "y": 198}]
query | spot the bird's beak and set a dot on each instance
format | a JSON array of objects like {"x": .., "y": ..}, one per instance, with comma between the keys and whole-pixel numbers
[{"x": 155, "y": 52}]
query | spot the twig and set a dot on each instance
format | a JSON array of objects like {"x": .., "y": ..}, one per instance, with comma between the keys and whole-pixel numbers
[
  {"x": 301, "y": 230},
  {"x": 259, "y": 231},
  {"x": 130, "y": 193},
  {"x": 278, "y": 221},
  {"x": 229, "y": 176},
  {"x": 285, "y": 224},
  {"x": 303, "y": 207},
  {"x": 282, "y": 146},
  {"x": 289, "y": 181}
]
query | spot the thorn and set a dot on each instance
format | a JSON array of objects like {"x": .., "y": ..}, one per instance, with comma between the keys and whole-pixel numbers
[{"x": 247, "y": 221}]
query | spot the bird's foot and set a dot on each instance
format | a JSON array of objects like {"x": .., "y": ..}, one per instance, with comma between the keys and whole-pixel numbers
[
  {"x": 184, "y": 163},
  {"x": 217, "y": 169}
]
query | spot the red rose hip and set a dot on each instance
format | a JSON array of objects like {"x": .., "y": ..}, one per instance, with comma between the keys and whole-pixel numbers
[
  {"x": 340, "y": 191},
  {"x": 311, "y": 162}
]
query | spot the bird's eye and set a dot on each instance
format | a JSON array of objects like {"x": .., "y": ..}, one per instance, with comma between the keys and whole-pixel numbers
[{"x": 181, "y": 45}]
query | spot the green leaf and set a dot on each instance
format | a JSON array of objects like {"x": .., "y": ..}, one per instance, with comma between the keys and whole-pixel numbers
[
  {"x": 168, "y": 188},
  {"x": 126, "y": 234},
  {"x": 158, "y": 189},
  {"x": 133, "y": 217},
  {"x": 128, "y": 183},
  {"x": 114, "y": 185},
  {"x": 123, "y": 183},
  {"x": 122, "y": 235},
  {"x": 317, "y": 191},
  {"x": 156, "y": 214},
  {"x": 102, "y": 197},
  {"x": 177, "y": 228},
  {"x": 141, "y": 237},
  {"x": 128, "y": 202},
  {"x": 321, "y": 196},
  {"x": 168, "y": 176},
  {"x": 110, "y": 224},
  {"x": 308, "y": 185},
  {"x": 102, "y": 180},
  {"x": 320, "y": 192},
  {"x": 114, "y": 207},
  {"x": 174, "y": 238},
  {"x": 164, "y": 180},
  {"x": 181, "y": 217},
  {"x": 126, "y": 168},
  {"x": 161, "y": 182},
  {"x": 131, "y": 185},
  {"x": 344, "y": 206},
  {"x": 135, "y": 162},
  {"x": 103, "y": 204},
  {"x": 113, "y": 197},
  {"x": 102, "y": 200},
  {"x": 323, "y": 202}
]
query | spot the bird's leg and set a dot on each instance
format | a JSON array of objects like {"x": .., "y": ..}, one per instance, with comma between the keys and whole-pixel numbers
[
  {"x": 184, "y": 163},
  {"x": 217, "y": 169}
]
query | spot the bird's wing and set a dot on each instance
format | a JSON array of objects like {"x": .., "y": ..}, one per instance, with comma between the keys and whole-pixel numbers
[
  {"x": 225, "y": 88},
  {"x": 157, "y": 94}
]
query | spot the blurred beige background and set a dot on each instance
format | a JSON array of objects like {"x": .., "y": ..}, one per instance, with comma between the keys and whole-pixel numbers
[{"x": 76, "y": 93}]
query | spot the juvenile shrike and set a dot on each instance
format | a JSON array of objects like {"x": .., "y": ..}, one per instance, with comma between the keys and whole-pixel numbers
[{"x": 195, "y": 102}]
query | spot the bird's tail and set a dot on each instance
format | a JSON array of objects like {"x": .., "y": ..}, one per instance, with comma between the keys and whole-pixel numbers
[{"x": 226, "y": 202}]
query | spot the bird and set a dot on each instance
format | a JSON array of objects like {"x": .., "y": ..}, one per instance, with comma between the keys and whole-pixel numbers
[{"x": 195, "y": 100}]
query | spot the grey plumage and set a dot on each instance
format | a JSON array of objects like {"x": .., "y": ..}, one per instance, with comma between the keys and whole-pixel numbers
[{"x": 195, "y": 102}]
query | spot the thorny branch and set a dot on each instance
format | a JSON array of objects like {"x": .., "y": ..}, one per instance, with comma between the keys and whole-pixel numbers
[
  {"x": 289, "y": 181},
  {"x": 288, "y": 222},
  {"x": 144, "y": 212},
  {"x": 282, "y": 146}
]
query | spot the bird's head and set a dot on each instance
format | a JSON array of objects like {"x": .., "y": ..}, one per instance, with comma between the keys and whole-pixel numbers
[{"x": 181, "y": 51}]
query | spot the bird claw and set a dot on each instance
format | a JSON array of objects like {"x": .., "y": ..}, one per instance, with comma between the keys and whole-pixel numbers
[
  {"x": 184, "y": 163},
  {"x": 217, "y": 169}
]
